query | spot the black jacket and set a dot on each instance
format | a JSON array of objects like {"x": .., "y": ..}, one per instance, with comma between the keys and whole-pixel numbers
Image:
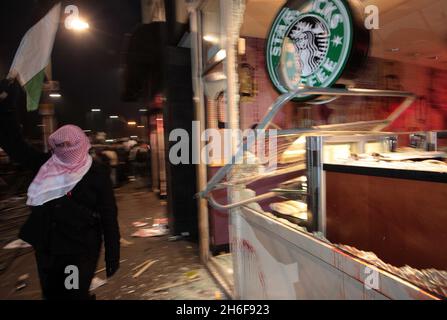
[{"x": 94, "y": 191}]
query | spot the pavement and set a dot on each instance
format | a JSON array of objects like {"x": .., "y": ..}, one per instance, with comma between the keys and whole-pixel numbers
[{"x": 176, "y": 272}]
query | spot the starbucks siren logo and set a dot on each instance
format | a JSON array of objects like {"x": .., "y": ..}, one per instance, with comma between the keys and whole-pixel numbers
[
  {"x": 309, "y": 47},
  {"x": 311, "y": 43}
]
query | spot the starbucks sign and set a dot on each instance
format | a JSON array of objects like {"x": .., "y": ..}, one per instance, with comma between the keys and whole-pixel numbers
[{"x": 310, "y": 44}]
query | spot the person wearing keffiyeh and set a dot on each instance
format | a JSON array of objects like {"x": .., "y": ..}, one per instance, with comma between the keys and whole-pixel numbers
[{"x": 73, "y": 207}]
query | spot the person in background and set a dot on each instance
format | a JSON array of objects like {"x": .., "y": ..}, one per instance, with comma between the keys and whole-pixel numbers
[
  {"x": 73, "y": 207},
  {"x": 132, "y": 162},
  {"x": 111, "y": 154},
  {"x": 122, "y": 164},
  {"x": 141, "y": 160}
]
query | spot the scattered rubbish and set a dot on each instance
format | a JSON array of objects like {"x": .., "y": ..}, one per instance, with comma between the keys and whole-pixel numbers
[
  {"x": 141, "y": 264},
  {"x": 96, "y": 283},
  {"x": 139, "y": 224},
  {"x": 179, "y": 237},
  {"x": 175, "y": 238},
  {"x": 192, "y": 274},
  {"x": 218, "y": 295},
  {"x": 144, "y": 268},
  {"x": 160, "y": 222},
  {"x": 151, "y": 232},
  {"x": 17, "y": 244},
  {"x": 125, "y": 243},
  {"x": 20, "y": 286},
  {"x": 174, "y": 285},
  {"x": 21, "y": 282}
]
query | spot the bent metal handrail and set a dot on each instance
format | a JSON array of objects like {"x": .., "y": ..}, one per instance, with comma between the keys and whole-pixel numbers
[
  {"x": 287, "y": 97},
  {"x": 224, "y": 207}
]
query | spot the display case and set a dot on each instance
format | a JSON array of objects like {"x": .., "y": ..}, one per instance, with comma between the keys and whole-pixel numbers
[
  {"x": 349, "y": 214},
  {"x": 359, "y": 207},
  {"x": 389, "y": 203}
]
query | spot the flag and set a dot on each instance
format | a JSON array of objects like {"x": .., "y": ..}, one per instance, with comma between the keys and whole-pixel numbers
[{"x": 33, "y": 56}]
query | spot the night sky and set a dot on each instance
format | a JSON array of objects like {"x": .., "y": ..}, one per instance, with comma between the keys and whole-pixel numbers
[{"x": 87, "y": 65}]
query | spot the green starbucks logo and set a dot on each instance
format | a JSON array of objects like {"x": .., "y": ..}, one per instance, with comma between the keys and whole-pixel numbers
[{"x": 309, "y": 46}]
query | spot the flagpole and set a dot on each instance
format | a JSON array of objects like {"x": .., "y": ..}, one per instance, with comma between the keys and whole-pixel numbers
[{"x": 46, "y": 107}]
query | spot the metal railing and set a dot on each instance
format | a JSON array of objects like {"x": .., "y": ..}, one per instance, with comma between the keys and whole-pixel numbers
[{"x": 377, "y": 125}]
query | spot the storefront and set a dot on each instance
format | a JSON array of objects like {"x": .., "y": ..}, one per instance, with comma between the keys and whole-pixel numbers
[{"x": 354, "y": 204}]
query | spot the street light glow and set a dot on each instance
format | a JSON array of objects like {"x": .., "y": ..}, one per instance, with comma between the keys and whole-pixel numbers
[
  {"x": 143, "y": 110},
  {"x": 113, "y": 117},
  {"x": 141, "y": 127},
  {"x": 55, "y": 95},
  {"x": 132, "y": 123},
  {"x": 96, "y": 110},
  {"x": 78, "y": 24}
]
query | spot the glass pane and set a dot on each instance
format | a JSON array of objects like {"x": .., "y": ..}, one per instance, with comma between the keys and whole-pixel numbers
[{"x": 211, "y": 34}]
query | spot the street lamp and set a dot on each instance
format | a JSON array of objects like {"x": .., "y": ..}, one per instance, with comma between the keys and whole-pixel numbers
[
  {"x": 55, "y": 95},
  {"x": 132, "y": 123},
  {"x": 96, "y": 110},
  {"x": 77, "y": 24},
  {"x": 113, "y": 117}
]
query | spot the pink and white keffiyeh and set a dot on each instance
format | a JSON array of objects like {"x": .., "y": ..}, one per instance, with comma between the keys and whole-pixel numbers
[{"x": 67, "y": 166}]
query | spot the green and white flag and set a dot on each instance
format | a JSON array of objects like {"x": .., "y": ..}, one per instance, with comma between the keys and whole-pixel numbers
[{"x": 34, "y": 55}]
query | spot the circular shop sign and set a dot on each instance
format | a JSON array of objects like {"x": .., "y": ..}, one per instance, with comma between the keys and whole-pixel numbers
[{"x": 309, "y": 44}]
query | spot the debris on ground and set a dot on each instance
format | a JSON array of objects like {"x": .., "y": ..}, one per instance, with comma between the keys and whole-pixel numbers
[
  {"x": 17, "y": 244},
  {"x": 160, "y": 222},
  {"x": 139, "y": 224},
  {"x": 181, "y": 236},
  {"x": 174, "y": 285},
  {"x": 175, "y": 238},
  {"x": 21, "y": 282},
  {"x": 96, "y": 283},
  {"x": 157, "y": 231},
  {"x": 141, "y": 264},
  {"x": 191, "y": 275},
  {"x": 144, "y": 268},
  {"x": 147, "y": 233},
  {"x": 174, "y": 259}
]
